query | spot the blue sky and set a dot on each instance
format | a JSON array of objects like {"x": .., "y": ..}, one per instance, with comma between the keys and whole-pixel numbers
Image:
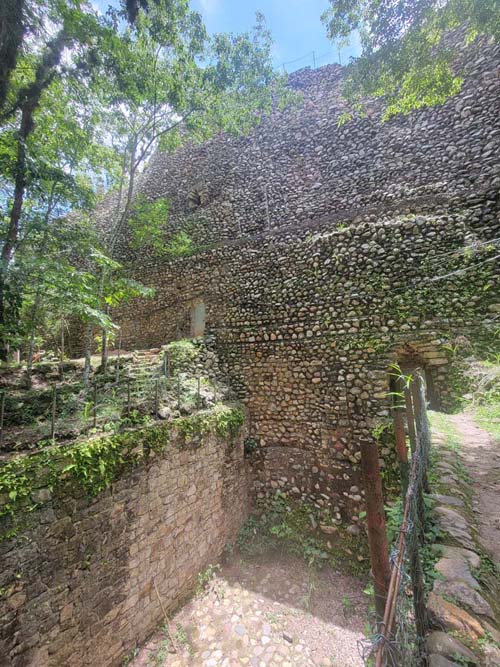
[{"x": 295, "y": 26}]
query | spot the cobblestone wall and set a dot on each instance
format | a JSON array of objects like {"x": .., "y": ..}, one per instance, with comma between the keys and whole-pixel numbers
[
  {"x": 322, "y": 256},
  {"x": 78, "y": 588},
  {"x": 299, "y": 164}
]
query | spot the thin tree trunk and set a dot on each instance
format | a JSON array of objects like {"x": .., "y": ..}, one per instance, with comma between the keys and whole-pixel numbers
[
  {"x": 61, "y": 369},
  {"x": 31, "y": 348},
  {"x": 15, "y": 216},
  {"x": 89, "y": 334},
  {"x": 120, "y": 219},
  {"x": 38, "y": 296},
  {"x": 104, "y": 347}
]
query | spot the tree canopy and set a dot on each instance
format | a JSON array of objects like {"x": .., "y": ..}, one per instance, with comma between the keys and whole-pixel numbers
[
  {"x": 85, "y": 99},
  {"x": 409, "y": 58}
]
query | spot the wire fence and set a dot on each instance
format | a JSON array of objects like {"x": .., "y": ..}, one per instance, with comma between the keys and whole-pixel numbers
[
  {"x": 120, "y": 398},
  {"x": 313, "y": 59},
  {"x": 399, "y": 639}
]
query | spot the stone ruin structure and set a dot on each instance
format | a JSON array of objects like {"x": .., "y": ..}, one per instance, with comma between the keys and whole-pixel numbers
[
  {"x": 324, "y": 254},
  {"x": 322, "y": 250}
]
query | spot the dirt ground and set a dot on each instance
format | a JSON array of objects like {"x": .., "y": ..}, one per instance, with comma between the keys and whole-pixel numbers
[
  {"x": 269, "y": 612},
  {"x": 481, "y": 456}
]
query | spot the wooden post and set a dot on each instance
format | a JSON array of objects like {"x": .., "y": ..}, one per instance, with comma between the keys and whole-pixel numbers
[
  {"x": 2, "y": 416},
  {"x": 411, "y": 420},
  {"x": 53, "y": 414},
  {"x": 400, "y": 442},
  {"x": 419, "y": 407},
  {"x": 417, "y": 580},
  {"x": 178, "y": 393},
  {"x": 128, "y": 396},
  {"x": 375, "y": 516},
  {"x": 157, "y": 397}
]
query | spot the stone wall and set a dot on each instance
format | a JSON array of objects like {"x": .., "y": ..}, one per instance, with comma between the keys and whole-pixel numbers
[
  {"x": 78, "y": 583},
  {"x": 308, "y": 321},
  {"x": 326, "y": 252},
  {"x": 463, "y": 604},
  {"x": 299, "y": 164}
]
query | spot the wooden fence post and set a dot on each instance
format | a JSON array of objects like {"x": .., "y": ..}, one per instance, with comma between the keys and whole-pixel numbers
[
  {"x": 157, "y": 397},
  {"x": 411, "y": 420},
  {"x": 400, "y": 442},
  {"x": 375, "y": 516}
]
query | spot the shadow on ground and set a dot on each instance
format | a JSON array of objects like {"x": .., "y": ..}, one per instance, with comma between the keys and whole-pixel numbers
[{"x": 273, "y": 611}]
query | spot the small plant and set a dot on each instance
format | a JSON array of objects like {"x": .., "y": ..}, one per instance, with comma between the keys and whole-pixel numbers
[
  {"x": 128, "y": 658},
  {"x": 182, "y": 639},
  {"x": 287, "y": 526},
  {"x": 347, "y": 606},
  {"x": 205, "y": 577},
  {"x": 164, "y": 648},
  {"x": 272, "y": 618}
]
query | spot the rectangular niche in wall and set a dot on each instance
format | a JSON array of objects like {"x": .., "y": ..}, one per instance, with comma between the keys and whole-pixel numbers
[{"x": 198, "y": 317}]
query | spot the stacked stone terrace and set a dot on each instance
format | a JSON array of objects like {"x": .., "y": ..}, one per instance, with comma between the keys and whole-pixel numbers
[{"x": 319, "y": 245}]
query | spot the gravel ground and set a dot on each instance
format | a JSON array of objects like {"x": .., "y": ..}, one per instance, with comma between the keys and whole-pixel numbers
[{"x": 270, "y": 612}]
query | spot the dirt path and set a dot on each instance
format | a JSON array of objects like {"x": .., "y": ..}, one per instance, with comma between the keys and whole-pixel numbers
[
  {"x": 481, "y": 456},
  {"x": 272, "y": 612}
]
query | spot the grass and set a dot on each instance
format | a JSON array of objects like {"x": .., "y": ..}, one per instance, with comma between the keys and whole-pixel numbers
[
  {"x": 440, "y": 422},
  {"x": 487, "y": 417}
]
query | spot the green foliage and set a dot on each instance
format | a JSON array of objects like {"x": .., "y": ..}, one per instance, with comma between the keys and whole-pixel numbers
[
  {"x": 205, "y": 577},
  {"x": 95, "y": 464},
  {"x": 406, "y": 58},
  {"x": 128, "y": 659},
  {"x": 124, "y": 91},
  {"x": 181, "y": 245},
  {"x": 228, "y": 422},
  {"x": 181, "y": 354},
  {"x": 285, "y": 525},
  {"x": 148, "y": 221},
  {"x": 182, "y": 638},
  {"x": 161, "y": 654}
]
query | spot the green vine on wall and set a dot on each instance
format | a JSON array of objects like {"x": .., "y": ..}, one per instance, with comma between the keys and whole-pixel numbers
[{"x": 95, "y": 464}]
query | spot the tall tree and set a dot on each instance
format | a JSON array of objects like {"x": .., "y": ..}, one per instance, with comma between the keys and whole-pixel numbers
[
  {"x": 167, "y": 82},
  {"x": 407, "y": 57},
  {"x": 83, "y": 111}
]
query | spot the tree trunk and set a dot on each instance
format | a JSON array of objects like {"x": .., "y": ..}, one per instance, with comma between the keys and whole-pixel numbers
[
  {"x": 11, "y": 37},
  {"x": 104, "y": 347},
  {"x": 38, "y": 296},
  {"x": 89, "y": 333},
  {"x": 120, "y": 219},
  {"x": 31, "y": 348},
  {"x": 28, "y": 102},
  {"x": 15, "y": 217}
]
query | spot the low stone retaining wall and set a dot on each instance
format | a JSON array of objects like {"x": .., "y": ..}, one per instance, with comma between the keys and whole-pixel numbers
[
  {"x": 462, "y": 603},
  {"x": 83, "y": 569}
]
